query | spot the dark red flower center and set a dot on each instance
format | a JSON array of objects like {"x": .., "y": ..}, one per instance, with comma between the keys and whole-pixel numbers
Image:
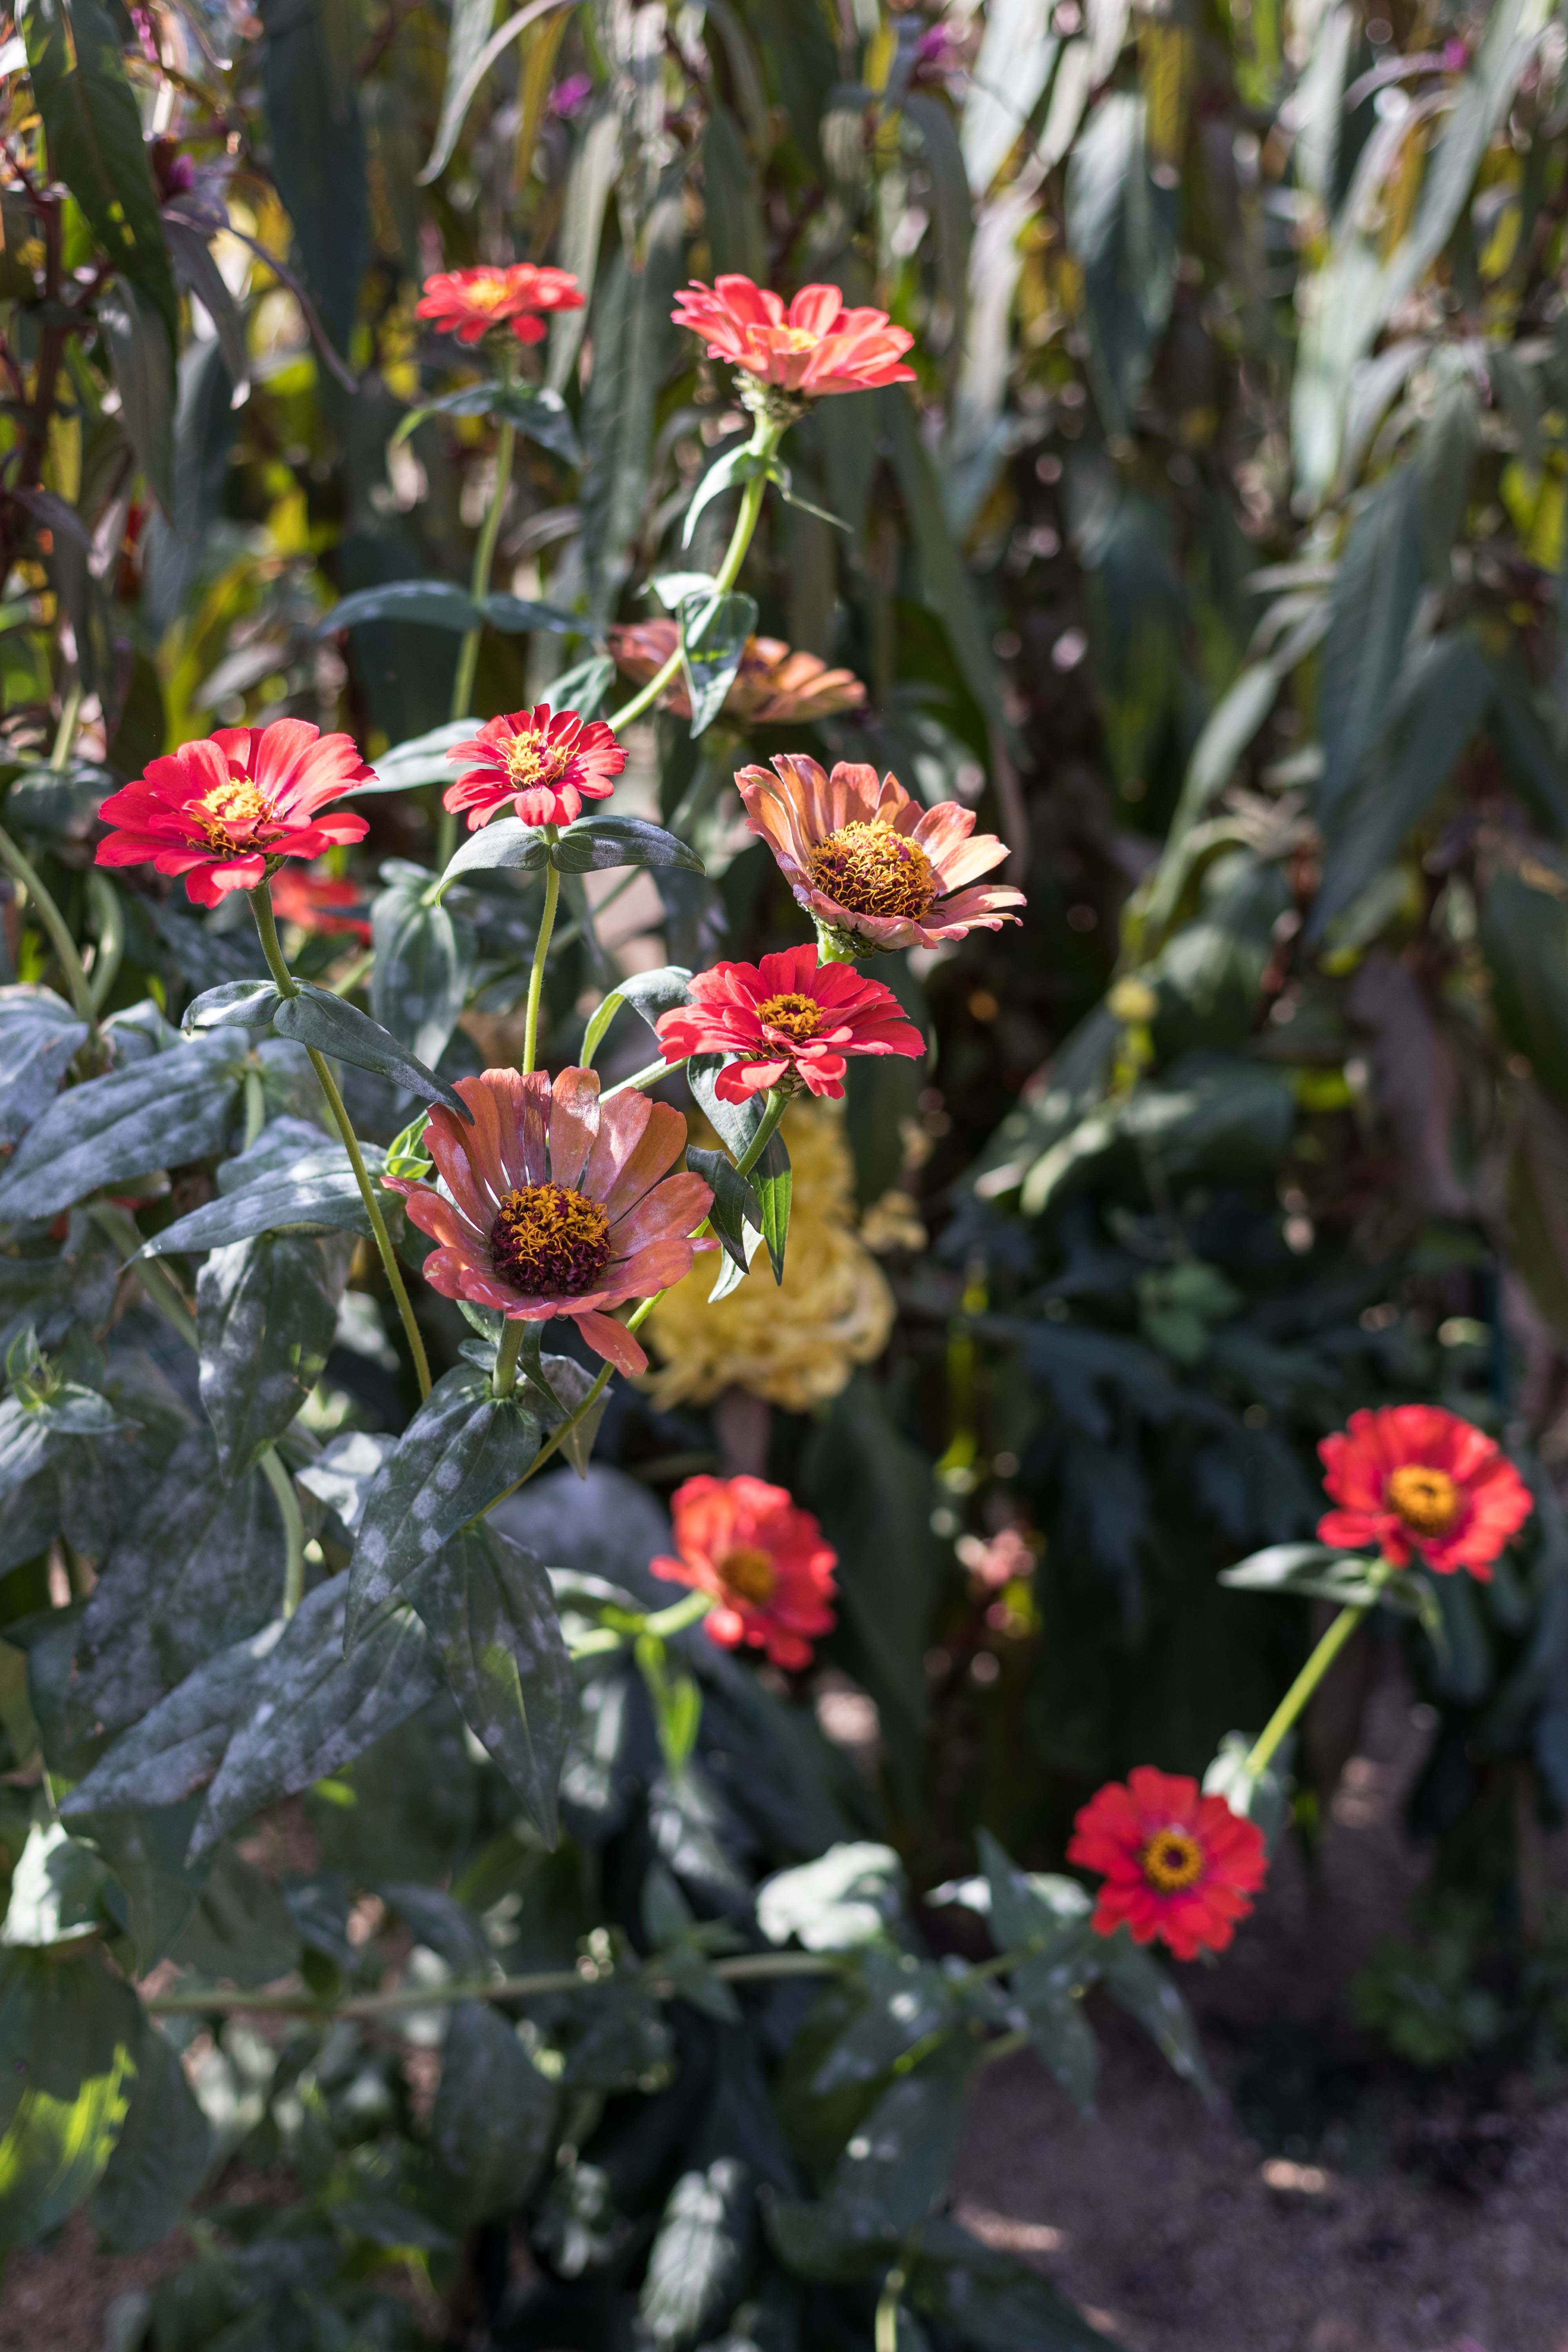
[
  {"x": 232, "y": 816},
  {"x": 869, "y": 870},
  {"x": 1171, "y": 1860},
  {"x": 1426, "y": 1500},
  {"x": 549, "y": 1242},
  {"x": 795, "y": 1016},
  {"x": 749, "y": 1571}
]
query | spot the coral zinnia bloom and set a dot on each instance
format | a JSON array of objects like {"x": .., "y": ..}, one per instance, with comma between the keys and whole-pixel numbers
[
  {"x": 815, "y": 346},
  {"x": 791, "y": 1021},
  {"x": 774, "y": 686},
  {"x": 1177, "y": 1863},
  {"x": 318, "y": 902},
  {"x": 868, "y": 863},
  {"x": 764, "y": 1562},
  {"x": 554, "y": 1204},
  {"x": 1412, "y": 1478},
  {"x": 546, "y": 766},
  {"x": 219, "y": 811},
  {"x": 471, "y": 303}
]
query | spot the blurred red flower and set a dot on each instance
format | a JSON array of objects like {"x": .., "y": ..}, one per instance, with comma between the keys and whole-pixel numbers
[
  {"x": 546, "y": 765},
  {"x": 318, "y": 902},
  {"x": 764, "y": 1562},
  {"x": 471, "y": 303},
  {"x": 221, "y": 811},
  {"x": 790, "y": 1019},
  {"x": 1177, "y": 1863},
  {"x": 1413, "y": 1479},
  {"x": 773, "y": 686},
  {"x": 815, "y": 346}
]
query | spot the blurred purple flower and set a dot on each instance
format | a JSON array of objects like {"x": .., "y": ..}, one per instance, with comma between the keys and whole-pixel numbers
[{"x": 570, "y": 96}]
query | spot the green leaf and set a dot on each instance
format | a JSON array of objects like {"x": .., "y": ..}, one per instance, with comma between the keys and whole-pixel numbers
[
  {"x": 57, "y": 1893},
  {"x": 161, "y": 2157},
  {"x": 234, "y": 1004},
  {"x": 1012, "y": 67},
  {"x": 143, "y": 362},
  {"x": 1317, "y": 1572},
  {"x": 697, "y": 2261},
  {"x": 1143, "y": 1990},
  {"x": 67, "y": 2034},
  {"x": 314, "y": 1191},
  {"x": 536, "y": 411},
  {"x": 318, "y": 159},
  {"x": 851, "y": 1894},
  {"x": 731, "y": 470},
  {"x": 943, "y": 573},
  {"x": 774, "y": 1186},
  {"x": 408, "y": 767},
  {"x": 193, "y": 263},
  {"x": 735, "y": 1207},
  {"x": 906, "y": 2001},
  {"x": 994, "y": 2301},
  {"x": 732, "y": 198},
  {"x": 441, "y": 605},
  {"x": 424, "y": 963},
  {"x": 1380, "y": 578},
  {"x": 713, "y": 634},
  {"x": 1261, "y": 1797},
  {"x": 316, "y": 1017},
  {"x": 177, "y": 1745},
  {"x": 1121, "y": 231},
  {"x": 24, "y": 1445},
  {"x": 1524, "y": 936},
  {"x": 895, "y": 2167},
  {"x": 505, "y": 843},
  {"x": 595, "y": 842},
  {"x": 634, "y": 344},
  {"x": 463, "y": 1448},
  {"x": 154, "y": 1114},
  {"x": 40, "y": 1034},
  {"x": 583, "y": 687},
  {"x": 493, "y": 2123},
  {"x": 266, "y": 1314},
  {"x": 94, "y": 129}
]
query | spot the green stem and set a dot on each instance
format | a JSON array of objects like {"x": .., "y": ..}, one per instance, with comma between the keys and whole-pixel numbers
[
  {"x": 540, "y": 950},
  {"x": 261, "y": 908},
  {"x": 105, "y": 899},
  {"x": 54, "y": 922},
  {"x": 275, "y": 1472},
  {"x": 885, "y": 2329},
  {"x": 832, "y": 946},
  {"x": 777, "y": 1101},
  {"x": 479, "y": 586},
  {"x": 162, "y": 1291},
  {"x": 648, "y": 1075},
  {"x": 1263, "y": 1748},
  {"x": 64, "y": 734},
  {"x": 678, "y": 1615},
  {"x": 504, "y": 1378}
]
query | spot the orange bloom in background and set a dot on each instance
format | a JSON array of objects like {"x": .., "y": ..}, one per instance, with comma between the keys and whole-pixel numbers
[
  {"x": 318, "y": 902},
  {"x": 554, "y": 1204},
  {"x": 220, "y": 811},
  {"x": 815, "y": 346},
  {"x": 774, "y": 686},
  {"x": 868, "y": 863},
  {"x": 472, "y": 303},
  {"x": 545, "y": 765},
  {"x": 789, "y": 1019},
  {"x": 1412, "y": 1478},
  {"x": 763, "y": 1560},
  {"x": 1177, "y": 1863}
]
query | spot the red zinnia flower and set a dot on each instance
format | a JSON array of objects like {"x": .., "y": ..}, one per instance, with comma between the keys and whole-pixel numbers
[
  {"x": 869, "y": 863},
  {"x": 547, "y": 767},
  {"x": 816, "y": 346},
  {"x": 552, "y": 1202},
  {"x": 764, "y": 1561},
  {"x": 1411, "y": 1477},
  {"x": 318, "y": 902},
  {"x": 788, "y": 1018},
  {"x": 1177, "y": 1863},
  {"x": 470, "y": 303},
  {"x": 220, "y": 811}
]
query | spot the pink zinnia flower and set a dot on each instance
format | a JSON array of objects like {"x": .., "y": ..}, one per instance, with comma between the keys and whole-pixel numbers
[
  {"x": 546, "y": 766},
  {"x": 221, "y": 811},
  {"x": 1413, "y": 1479},
  {"x": 554, "y": 1204},
  {"x": 815, "y": 346},
  {"x": 869, "y": 863},
  {"x": 790, "y": 1019},
  {"x": 764, "y": 1562},
  {"x": 1177, "y": 1863},
  {"x": 471, "y": 303}
]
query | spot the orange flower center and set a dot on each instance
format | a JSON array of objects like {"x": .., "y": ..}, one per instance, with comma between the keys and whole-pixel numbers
[
  {"x": 532, "y": 761},
  {"x": 792, "y": 339},
  {"x": 1426, "y": 1500},
  {"x": 869, "y": 870},
  {"x": 1171, "y": 1860},
  {"x": 549, "y": 1243},
  {"x": 797, "y": 1017},
  {"x": 750, "y": 1572},
  {"x": 232, "y": 814}
]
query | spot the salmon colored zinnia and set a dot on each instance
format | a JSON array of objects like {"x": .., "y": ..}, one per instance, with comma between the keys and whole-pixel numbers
[
  {"x": 790, "y": 1022},
  {"x": 1177, "y": 1863},
  {"x": 554, "y": 1204},
  {"x": 1412, "y": 1478},
  {"x": 318, "y": 902},
  {"x": 222, "y": 810},
  {"x": 815, "y": 346},
  {"x": 472, "y": 303},
  {"x": 773, "y": 686},
  {"x": 763, "y": 1560},
  {"x": 546, "y": 765},
  {"x": 869, "y": 864}
]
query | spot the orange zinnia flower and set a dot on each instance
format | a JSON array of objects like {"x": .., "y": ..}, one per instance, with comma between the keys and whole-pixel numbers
[
  {"x": 1177, "y": 1863},
  {"x": 318, "y": 902},
  {"x": 787, "y": 1020},
  {"x": 774, "y": 686},
  {"x": 1413, "y": 1479},
  {"x": 546, "y": 766},
  {"x": 870, "y": 865},
  {"x": 472, "y": 303},
  {"x": 816, "y": 346},
  {"x": 554, "y": 1204},
  {"x": 764, "y": 1562}
]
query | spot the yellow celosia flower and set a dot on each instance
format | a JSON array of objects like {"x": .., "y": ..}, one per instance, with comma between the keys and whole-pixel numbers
[{"x": 795, "y": 1343}]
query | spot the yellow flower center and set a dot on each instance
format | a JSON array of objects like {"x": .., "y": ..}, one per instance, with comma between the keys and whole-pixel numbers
[
  {"x": 485, "y": 293},
  {"x": 749, "y": 1572},
  {"x": 792, "y": 339},
  {"x": 533, "y": 761},
  {"x": 232, "y": 814},
  {"x": 797, "y": 1017},
  {"x": 1426, "y": 1500},
  {"x": 1171, "y": 1860},
  {"x": 869, "y": 870},
  {"x": 548, "y": 1242}
]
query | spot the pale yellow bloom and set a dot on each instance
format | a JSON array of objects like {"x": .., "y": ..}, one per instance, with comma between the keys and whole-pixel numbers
[{"x": 794, "y": 1344}]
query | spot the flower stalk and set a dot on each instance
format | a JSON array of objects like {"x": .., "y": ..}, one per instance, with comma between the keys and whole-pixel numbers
[
  {"x": 540, "y": 953},
  {"x": 480, "y": 588},
  {"x": 55, "y": 924},
  {"x": 1265, "y": 1747}
]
